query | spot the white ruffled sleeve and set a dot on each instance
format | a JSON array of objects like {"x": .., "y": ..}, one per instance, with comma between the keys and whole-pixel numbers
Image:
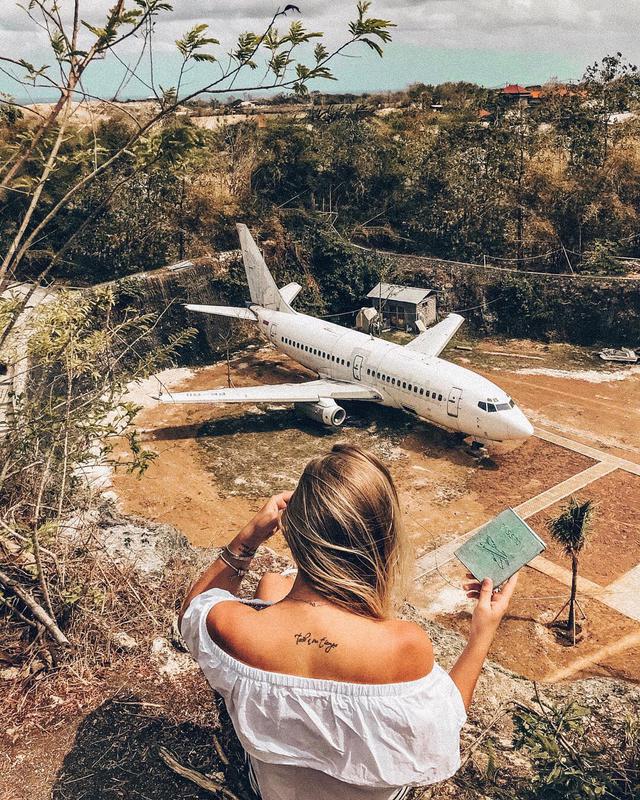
[{"x": 201, "y": 646}]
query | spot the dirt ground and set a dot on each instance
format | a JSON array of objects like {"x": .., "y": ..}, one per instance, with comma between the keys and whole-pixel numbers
[
  {"x": 569, "y": 390},
  {"x": 216, "y": 464}
]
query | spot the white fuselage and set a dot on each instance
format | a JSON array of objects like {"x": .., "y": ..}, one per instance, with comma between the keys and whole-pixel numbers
[{"x": 425, "y": 386}]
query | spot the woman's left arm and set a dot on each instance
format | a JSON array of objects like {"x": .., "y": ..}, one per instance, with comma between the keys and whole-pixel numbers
[{"x": 222, "y": 576}]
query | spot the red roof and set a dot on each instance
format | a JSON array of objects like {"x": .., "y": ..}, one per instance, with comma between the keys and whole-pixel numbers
[{"x": 514, "y": 88}]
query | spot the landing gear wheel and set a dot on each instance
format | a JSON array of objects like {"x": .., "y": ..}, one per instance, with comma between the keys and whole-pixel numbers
[{"x": 479, "y": 450}]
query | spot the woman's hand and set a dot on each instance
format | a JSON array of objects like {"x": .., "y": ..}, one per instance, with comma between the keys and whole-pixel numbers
[
  {"x": 267, "y": 521},
  {"x": 491, "y": 606}
]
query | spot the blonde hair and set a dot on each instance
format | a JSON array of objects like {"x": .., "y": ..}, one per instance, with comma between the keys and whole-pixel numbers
[{"x": 344, "y": 529}]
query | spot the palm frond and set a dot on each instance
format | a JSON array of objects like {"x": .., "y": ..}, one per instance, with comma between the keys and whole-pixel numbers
[{"x": 571, "y": 527}]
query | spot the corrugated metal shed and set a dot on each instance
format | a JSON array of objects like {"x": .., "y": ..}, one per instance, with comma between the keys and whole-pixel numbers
[{"x": 401, "y": 294}]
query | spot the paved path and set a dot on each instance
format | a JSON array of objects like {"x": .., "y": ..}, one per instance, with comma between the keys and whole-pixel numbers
[
  {"x": 624, "y": 593},
  {"x": 564, "y": 489},
  {"x": 586, "y": 450}
]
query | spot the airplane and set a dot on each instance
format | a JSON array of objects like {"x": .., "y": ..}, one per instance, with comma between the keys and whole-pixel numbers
[{"x": 355, "y": 366}]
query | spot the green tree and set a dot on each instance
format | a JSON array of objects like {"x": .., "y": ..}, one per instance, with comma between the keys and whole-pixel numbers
[
  {"x": 35, "y": 159},
  {"x": 63, "y": 419},
  {"x": 571, "y": 530},
  {"x": 601, "y": 260}
]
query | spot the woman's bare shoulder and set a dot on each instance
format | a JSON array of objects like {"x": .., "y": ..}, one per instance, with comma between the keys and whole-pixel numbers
[
  {"x": 228, "y": 622},
  {"x": 413, "y": 648}
]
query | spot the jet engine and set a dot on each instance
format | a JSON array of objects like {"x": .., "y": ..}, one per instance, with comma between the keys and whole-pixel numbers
[{"x": 326, "y": 411}]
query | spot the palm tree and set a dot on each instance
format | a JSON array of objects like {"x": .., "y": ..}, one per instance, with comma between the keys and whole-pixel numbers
[{"x": 571, "y": 530}]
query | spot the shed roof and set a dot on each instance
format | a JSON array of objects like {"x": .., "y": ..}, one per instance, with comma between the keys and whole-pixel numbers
[{"x": 402, "y": 294}]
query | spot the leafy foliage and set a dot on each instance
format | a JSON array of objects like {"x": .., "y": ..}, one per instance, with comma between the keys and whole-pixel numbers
[
  {"x": 571, "y": 760},
  {"x": 570, "y": 528}
]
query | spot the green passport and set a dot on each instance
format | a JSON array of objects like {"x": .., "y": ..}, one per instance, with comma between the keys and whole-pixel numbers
[{"x": 500, "y": 548}]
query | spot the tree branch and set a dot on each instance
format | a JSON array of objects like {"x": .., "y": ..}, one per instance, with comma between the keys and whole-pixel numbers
[{"x": 36, "y": 609}]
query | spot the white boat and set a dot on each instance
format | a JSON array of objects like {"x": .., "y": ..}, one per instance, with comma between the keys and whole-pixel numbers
[{"x": 624, "y": 355}]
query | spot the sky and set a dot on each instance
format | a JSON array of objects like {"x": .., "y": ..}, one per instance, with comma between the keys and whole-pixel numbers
[{"x": 490, "y": 42}]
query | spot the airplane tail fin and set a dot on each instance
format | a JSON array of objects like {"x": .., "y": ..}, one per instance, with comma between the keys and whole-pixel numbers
[{"x": 262, "y": 287}]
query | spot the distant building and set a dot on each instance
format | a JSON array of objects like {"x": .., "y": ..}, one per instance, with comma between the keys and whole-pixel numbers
[
  {"x": 535, "y": 95},
  {"x": 367, "y": 320},
  {"x": 515, "y": 92},
  {"x": 403, "y": 306}
]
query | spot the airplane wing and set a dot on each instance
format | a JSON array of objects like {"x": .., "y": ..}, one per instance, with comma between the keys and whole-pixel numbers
[
  {"x": 433, "y": 341},
  {"x": 223, "y": 311},
  {"x": 309, "y": 392}
]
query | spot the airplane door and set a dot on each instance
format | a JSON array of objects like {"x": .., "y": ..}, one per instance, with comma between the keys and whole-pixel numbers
[
  {"x": 357, "y": 367},
  {"x": 453, "y": 402},
  {"x": 272, "y": 331}
]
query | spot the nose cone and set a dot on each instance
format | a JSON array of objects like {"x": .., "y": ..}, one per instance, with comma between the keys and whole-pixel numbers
[{"x": 519, "y": 425}]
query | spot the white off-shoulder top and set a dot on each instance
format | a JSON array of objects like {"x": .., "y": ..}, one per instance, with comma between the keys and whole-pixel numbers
[{"x": 346, "y": 740}]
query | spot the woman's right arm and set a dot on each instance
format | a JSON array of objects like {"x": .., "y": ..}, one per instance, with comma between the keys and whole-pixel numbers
[{"x": 486, "y": 618}]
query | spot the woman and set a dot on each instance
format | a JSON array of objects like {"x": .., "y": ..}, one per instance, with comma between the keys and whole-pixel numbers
[{"x": 331, "y": 695}]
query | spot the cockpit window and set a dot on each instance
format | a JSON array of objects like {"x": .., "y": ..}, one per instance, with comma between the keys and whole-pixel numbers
[
  {"x": 511, "y": 403},
  {"x": 491, "y": 407},
  {"x": 503, "y": 406},
  {"x": 482, "y": 405}
]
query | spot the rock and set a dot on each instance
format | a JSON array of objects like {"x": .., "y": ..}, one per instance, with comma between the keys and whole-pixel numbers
[
  {"x": 169, "y": 663},
  {"x": 123, "y": 641},
  {"x": 133, "y": 541},
  {"x": 9, "y": 673}
]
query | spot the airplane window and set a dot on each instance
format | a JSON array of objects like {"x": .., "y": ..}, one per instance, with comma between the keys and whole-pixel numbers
[
  {"x": 342, "y": 361},
  {"x": 415, "y": 389},
  {"x": 439, "y": 397},
  {"x": 404, "y": 384},
  {"x": 482, "y": 405},
  {"x": 421, "y": 390},
  {"x": 388, "y": 379},
  {"x": 491, "y": 407},
  {"x": 393, "y": 381},
  {"x": 348, "y": 363}
]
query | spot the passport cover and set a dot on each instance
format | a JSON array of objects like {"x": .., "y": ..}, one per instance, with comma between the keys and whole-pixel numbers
[{"x": 500, "y": 548}]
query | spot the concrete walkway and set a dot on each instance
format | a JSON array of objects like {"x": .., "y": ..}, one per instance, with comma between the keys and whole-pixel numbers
[
  {"x": 586, "y": 450},
  {"x": 564, "y": 489}
]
